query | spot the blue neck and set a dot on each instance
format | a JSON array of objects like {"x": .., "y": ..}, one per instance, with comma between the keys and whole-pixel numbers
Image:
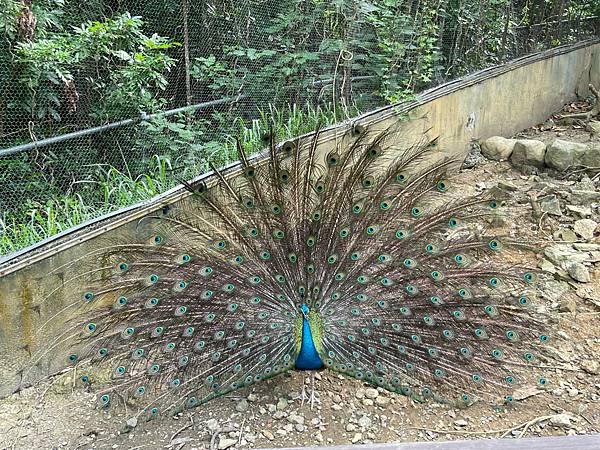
[{"x": 308, "y": 358}]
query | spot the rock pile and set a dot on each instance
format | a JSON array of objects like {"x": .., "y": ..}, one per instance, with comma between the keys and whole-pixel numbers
[{"x": 559, "y": 155}]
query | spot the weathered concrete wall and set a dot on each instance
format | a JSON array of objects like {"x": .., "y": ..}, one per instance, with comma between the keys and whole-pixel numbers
[{"x": 36, "y": 288}]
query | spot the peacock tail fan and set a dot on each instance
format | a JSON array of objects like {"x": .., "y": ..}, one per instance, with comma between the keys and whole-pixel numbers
[{"x": 406, "y": 289}]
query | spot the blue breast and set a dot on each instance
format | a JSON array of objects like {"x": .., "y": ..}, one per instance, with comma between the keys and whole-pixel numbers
[{"x": 308, "y": 358}]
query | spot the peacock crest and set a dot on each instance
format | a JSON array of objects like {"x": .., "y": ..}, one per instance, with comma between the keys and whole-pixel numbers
[{"x": 359, "y": 259}]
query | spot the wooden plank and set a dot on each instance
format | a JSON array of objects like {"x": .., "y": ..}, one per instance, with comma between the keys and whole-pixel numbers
[{"x": 579, "y": 442}]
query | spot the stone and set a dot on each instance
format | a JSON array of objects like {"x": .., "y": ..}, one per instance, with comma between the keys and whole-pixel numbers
[
  {"x": 270, "y": 436},
  {"x": 225, "y": 442},
  {"x": 581, "y": 211},
  {"x": 367, "y": 402},
  {"x": 360, "y": 393},
  {"x": 252, "y": 397},
  {"x": 591, "y": 366},
  {"x": 559, "y": 254},
  {"x": 278, "y": 415},
  {"x": 546, "y": 266},
  {"x": 364, "y": 422},
  {"x": 295, "y": 418},
  {"x": 567, "y": 305},
  {"x": 579, "y": 272},
  {"x": 371, "y": 393},
  {"x": 497, "y": 148},
  {"x": 565, "y": 235},
  {"x": 584, "y": 197},
  {"x": 561, "y": 420},
  {"x": 282, "y": 403},
  {"x": 382, "y": 401},
  {"x": 357, "y": 437},
  {"x": 550, "y": 205},
  {"x": 593, "y": 126},
  {"x": 507, "y": 186},
  {"x": 461, "y": 423},
  {"x": 299, "y": 427},
  {"x": 591, "y": 158},
  {"x": 561, "y": 155},
  {"x": 585, "y": 228},
  {"x": 528, "y": 152},
  {"x": 212, "y": 425},
  {"x": 132, "y": 422},
  {"x": 242, "y": 405},
  {"x": 350, "y": 427}
]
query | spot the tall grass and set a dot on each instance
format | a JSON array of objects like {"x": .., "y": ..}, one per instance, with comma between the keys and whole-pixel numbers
[{"x": 112, "y": 189}]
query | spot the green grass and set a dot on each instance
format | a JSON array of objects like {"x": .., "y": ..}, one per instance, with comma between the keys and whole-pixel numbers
[{"x": 112, "y": 189}]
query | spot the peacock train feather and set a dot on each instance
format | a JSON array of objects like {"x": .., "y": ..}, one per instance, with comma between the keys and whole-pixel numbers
[{"x": 362, "y": 260}]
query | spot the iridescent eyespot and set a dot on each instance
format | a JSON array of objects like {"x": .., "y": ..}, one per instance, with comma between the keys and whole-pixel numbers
[
  {"x": 123, "y": 266},
  {"x": 276, "y": 209},
  {"x": 529, "y": 277},
  {"x": 88, "y": 296},
  {"x": 494, "y": 244},
  {"x": 90, "y": 327},
  {"x": 158, "y": 239},
  {"x": 453, "y": 222},
  {"x": 441, "y": 186},
  {"x": 493, "y": 204},
  {"x": 153, "y": 278},
  {"x": 416, "y": 212}
]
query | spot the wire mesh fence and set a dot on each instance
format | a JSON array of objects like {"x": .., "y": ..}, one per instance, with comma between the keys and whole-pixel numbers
[{"x": 105, "y": 103}]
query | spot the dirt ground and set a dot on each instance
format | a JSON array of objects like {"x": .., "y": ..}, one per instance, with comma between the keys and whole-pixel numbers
[{"x": 55, "y": 415}]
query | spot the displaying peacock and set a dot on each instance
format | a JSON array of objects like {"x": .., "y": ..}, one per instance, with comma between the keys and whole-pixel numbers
[{"x": 361, "y": 259}]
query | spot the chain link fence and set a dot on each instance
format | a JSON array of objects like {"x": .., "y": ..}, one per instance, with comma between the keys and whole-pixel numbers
[{"x": 106, "y": 103}]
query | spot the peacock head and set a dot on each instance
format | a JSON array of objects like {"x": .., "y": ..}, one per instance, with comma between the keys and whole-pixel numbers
[{"x": 305, "y": 310}]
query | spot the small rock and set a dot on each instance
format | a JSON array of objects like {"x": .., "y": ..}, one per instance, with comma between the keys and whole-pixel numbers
[
  {"x": 350, "y": 427},
  {"x": 212, "y": 425},
  {"x": 497, "y": 148},
  {"x": 559, "y": 254},
  {"x": 584, "y": 197},
  {"x": 252, "y": 397},
  {"x": 581, "y": 211},
  {"x": 591, "y": 366},
  {"x": 593, "y": 126},
  {"x": 507, "y": 186},
  {"x": 528, "y": 152},
  {"x": 282, "y": 403},
  {"x": 364, "y": 422},
  {"x": 591, "y": 158},
  {"x": 357, "y": 437},
  {"x": 360, "y": 393},
  {"x": 299, "y": 427},
  {"x": 295, "y": 418},
  {"x": 371, "y": 393},
  {"x": 225, "y": 442},
  {"x": 242, "y": 405},
  {"x": 567, "y": 304},
  {"x": 565, "y": 235},
  {"x": 270, "y": 436},
  {"x": 561, "y": 420},
  {"x": 585, "y": 228},
  {"x": 546, "y": 266},
  {"x": 547, "y": 125},
  {"x": 278, "y": 415},
  {"x": 131, "y": 422},
  {"x": 561, "y": 155},
  {"x": 550, "y": 205},
  {"x": 579, "y": 272},
  {"x": 461, "y": 423},
  {"x": 382, "y": 401},
  {"x": 367, "y": 402}
]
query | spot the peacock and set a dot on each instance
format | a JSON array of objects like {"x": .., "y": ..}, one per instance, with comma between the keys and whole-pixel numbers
[{"x": 365, "y": 259}]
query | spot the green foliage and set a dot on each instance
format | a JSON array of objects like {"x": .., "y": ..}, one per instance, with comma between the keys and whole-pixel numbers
[{"x": 126, "y": 69}]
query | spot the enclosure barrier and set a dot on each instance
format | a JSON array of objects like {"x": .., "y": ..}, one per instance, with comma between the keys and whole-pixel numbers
[
  {"x": 497, "y": 101},
  {"x": 585, "y": 442}
]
